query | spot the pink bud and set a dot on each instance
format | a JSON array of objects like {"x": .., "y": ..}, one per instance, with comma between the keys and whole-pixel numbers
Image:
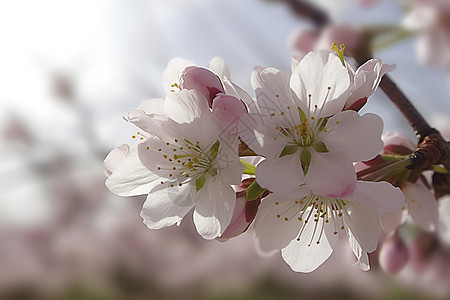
[
  {"x": 244, "y": 212},
  {"x": 203, "y": 80},
  {"x": 228, "y": 108},
  {"x": 393, "y": 254},
  {"x": 114, "y": 158}
]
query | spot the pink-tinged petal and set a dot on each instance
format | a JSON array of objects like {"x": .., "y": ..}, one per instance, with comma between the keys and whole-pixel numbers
[
  {"x": 391, "y": 221},
  {"x": 398, "y": 139},
  {"x": 367, "y": 79},
  {"x": 167, "y": 206},
  {"x": 281, "y": 175},
  {"x": 364, "y": 224},
  {"x": 272, "y": 90},
  {"x": 322, "y": 75},
  {"x": 422, "y": 205},
  {"x": 186, "y": 105},
  {"x": 219, "y": 67},
  {"x": 153, "y": 106},
  {"x": 358, "y": 136},
  {"x": 244, "y": 213},
  {"x": 202, "y": 80},
  {"x": 236, "y": 91},
  {"x": 272, "y": 230},
  {"x": 260, "y": 134},
  {"x": 114, "y": 158},
  {"x": 306, "y": 255},
  {"x": 382, "y": 196},
  {"x": 393, "y": 254},
  {"x": 171, "y": 74},
  {"x": 130, "y": 177},
  {"x": 331, "y": 174},
  {"x": 214, "y": 209},
  {"x": 228, "y": 109}
]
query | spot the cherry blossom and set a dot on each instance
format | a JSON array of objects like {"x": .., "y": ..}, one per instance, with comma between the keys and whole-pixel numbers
[
  {"x": 306, "y": 226},
  {"x": 297, "y": 123},
  {"x": 191, "y": 159}
]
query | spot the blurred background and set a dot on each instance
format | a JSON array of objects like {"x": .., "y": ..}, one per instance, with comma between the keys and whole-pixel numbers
[{"x": 70, "y": 70}]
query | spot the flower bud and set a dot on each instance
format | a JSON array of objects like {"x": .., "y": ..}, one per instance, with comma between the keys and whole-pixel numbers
[
  {"x": 203, "y": 80},
  {"x": 393, "y": 255}
]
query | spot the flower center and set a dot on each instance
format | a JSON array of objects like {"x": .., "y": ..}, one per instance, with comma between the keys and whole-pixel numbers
[
  {"x": 188, "y": 161},
  {"x": 323, "y": 211}
]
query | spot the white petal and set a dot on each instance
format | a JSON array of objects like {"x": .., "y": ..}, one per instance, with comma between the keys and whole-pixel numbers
[
  {"x": 361, "y": 255},
  {"x": 422, "y": 205},
  {"x": 272, "y": 232},
  {"x": 173, "y": 71},
  {"x": 165, "y": 207},
  {"x": 272, "y": 90},
  {"x": 218, "y": 66},
  {"x": 306, "y": 255},
  {"x": 229, "y": 166},
  {"x": 131, "y": 177},
  {"x": 281, "y": 175},
  {"x": 186, "y": 105},
  {"x": 315, "y": 73},
  {"x": 382, "y": 196},
  {"x": 214, "y": 209},
  {"x": 331, "y": 174},
  {"x": 364, "y": 224},
  {"x": 114, "y": 158},
  {"x": 260, "y": 134},
  {"x": 358, "y": 136},
  {"x": 395, "y": 138},
  {"x": 153, "y": 106}
]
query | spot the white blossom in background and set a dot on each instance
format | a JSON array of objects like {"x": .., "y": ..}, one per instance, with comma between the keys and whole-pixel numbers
[
  {"x": 306, "y": 226},
  {"x": 297, "y": 123}
]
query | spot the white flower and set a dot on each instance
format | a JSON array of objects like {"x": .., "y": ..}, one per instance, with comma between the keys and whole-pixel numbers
[
  {"x": 297, "y": 123},
  {"x": 192, "y": 160},
  {"x": 306, "y": 226}
]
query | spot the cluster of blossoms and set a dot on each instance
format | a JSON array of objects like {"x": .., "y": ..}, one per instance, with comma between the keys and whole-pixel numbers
[{"x": 300, "y": 192}]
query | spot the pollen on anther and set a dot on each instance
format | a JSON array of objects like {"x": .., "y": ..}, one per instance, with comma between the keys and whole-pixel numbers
[
  {"x": 176, "y": 141},
  {"x": 180, "y": 184},
  {"x": 133, "y": 136},
  {"x": 312, "y": 118},
  {"x": 288, "y": 107},
  {"x": 174, "y": 149},
  {"x": 171, "y": 185},
  {"x": 148, "y": 148},
  {"x": 272, "y": 114},
  {"x": 165, "y": 156},
  {"x": 162, "y": 182},
  {"x": 174, "y": 168},
  {"x": 282, "y": 113},
  {"x": 286, "y": 219},
  {"x": 159, "y": 168},
  {"x": 159, "y": 149},
  {"x": 298, "y": 239},
  {"x": 296, "y": 201},
  {"x": 278, "y": 216},
  {"x": 342, "y": 227},
  {"x": 300, "y": 218},
  {"x": 274, "y": 138},
  {"x": 167, "y": 143},
  {"x": 276, "y": 203},
  {"x": 329, "y": 87},
  {"x": 170, "y": 175},
  {"x": 277, "y": 95},
  {"x": 335, "y": 232}
]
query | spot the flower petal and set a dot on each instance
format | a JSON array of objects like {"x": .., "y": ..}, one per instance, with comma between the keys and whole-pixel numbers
[
  {"x": 364, "y": 224},
  {"x": 131, "y": 177},
  {"x": 272, "y": 232},
  {"x": 202, "y": 80},
  {"x": 361, "y": 255},
  {"x": 322, "y": 75},
  {"x": 422, "y": 205},
  {"x": 306, "y": 255},
  {"x": 114, "y": 158},
  {"x": 153, "y": 106},
  {"x": 186, "y": 105},
  {"x": 228, "y": 109},
  {"x": 167, "y": 206},
  {"x": 173, "y": 71},
  {"x": 214, "y": 209},
  {"x": 382, "y": 196},
  {"x": 281, "y": 175},
  {"x": 358, "y": 136},
  {"x": 331, "y": 174},
  {"x": 272, "y": 90},
  {"x": 219, "y": 67}
]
